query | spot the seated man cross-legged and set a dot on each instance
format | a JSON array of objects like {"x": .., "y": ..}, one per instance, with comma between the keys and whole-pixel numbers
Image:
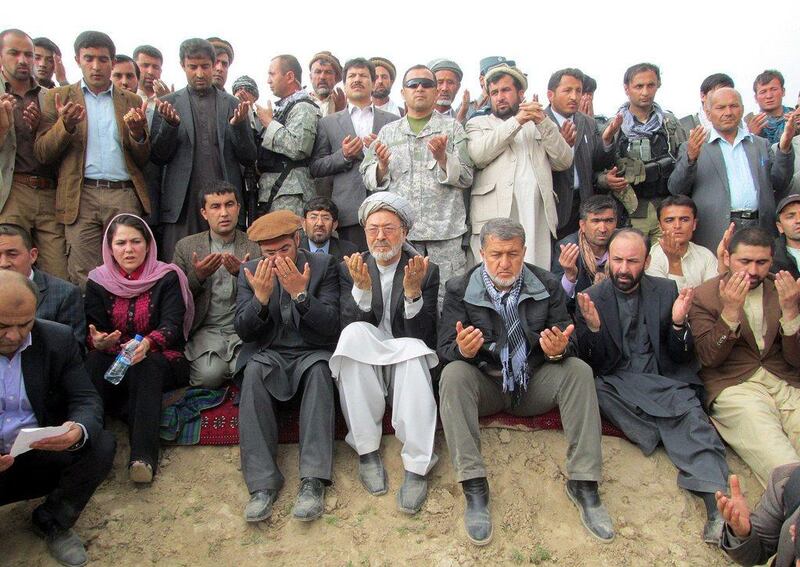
[
  {"x": 506, "y": 337},
  {"x": 746, "y": 326},
  {"x": 632, "y": 329},
  {"x": 388, "y": 308}
]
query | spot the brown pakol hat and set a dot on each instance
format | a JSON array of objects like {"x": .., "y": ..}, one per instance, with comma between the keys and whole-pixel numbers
[{"x": 274, "y": 225}]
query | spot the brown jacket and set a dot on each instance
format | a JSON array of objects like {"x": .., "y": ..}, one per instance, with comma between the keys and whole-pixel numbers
[
  {"x": 730, "y": 357},
  {"x": 55, "y": 145}
]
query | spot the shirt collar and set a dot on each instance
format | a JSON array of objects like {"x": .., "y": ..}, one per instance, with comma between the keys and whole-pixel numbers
[
  {"x": 351, "y": 108},
  {"x": 86, "y": 90},
  {"x": 741, "y": 135},
  {"x": 25, "y": 344},
  {"x": 312, "y": 247},
  {"x": 560, "y": 118}
]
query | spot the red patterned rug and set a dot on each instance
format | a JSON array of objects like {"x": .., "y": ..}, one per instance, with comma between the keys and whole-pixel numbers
[{"x": 220, "y": 425}]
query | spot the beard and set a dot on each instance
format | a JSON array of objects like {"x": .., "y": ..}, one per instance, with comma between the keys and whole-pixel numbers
[
  {"x": 380, "y": 93},
  {"x": 508, "y": 113},
  {"x": 627, "y": 282},
  {"x": 444, "y": 102},
  {"x": 388, "y": 254},
  {"x": 322, "y": 91},
  {"x": 319, "y": 240}
]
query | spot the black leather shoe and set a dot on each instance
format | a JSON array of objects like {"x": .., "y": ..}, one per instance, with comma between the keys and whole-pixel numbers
[
  {"x": 712, "y": 531},
  {"x": 310, "y": 501},
  {"x": 594, "y": 515},
  {"x": 413, "y": 493},
  {"x": 260, "y": 505},
  {"x": 372, "y": 473},
  {"x": 477, "y": 520}
]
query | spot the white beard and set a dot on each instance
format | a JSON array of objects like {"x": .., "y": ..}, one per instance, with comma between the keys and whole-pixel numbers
[{"x": 388, "y": 255}]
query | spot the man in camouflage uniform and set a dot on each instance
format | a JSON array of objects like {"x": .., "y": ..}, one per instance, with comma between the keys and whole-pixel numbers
[
  {"x": 423, "y": 157},
  {"x": 288, "y": 140}
]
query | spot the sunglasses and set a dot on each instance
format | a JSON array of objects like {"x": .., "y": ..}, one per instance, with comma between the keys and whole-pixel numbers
[{"x": 423, "y": 82}]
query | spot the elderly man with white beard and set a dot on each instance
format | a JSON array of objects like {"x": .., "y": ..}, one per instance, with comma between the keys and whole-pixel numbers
[{"x": 388, "y": 307}]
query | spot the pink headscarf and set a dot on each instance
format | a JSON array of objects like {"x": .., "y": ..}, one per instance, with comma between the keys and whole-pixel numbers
[{"x": 108, "y": 275}]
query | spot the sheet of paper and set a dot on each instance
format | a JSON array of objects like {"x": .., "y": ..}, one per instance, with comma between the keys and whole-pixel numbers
[{"x": 34, "y": 434}]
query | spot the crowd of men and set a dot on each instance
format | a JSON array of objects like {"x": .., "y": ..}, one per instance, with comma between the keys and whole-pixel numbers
[{"x": 517, "y": 256}]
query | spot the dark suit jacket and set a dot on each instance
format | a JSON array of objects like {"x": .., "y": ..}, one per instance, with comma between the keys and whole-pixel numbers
[
  {"x": 62, "y": 302},
  {"x": 201, "y": 290},
  {"x": 422, "y": 326},
  {"x": 589, "y": 156},
  {"x": 54, "y": 145},
  {"x": 542, "y": 305},
  {"x": 674, "y": 350},
  {"x": 782, "y": 260},
  {"x": 173, "y": 148},
  {"x": 327, "y": 159},
  {"x": 730, "y": 357},
  {"x": 706, "y": 181},
  {"x": 58, "y": 387},
  {"x": 583, "y": 281},
  {"x": 770, "y": 521},
  {"x": 338, "y": 248},
  {"x": 257, "y": 325}
]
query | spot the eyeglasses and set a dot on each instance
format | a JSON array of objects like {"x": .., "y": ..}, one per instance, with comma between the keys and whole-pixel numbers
[
  {"x": 388, "y": 230},
  {"x": 421, "y": 82}
]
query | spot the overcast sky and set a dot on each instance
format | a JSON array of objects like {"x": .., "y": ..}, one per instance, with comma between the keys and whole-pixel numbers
[{"x": 688, "y": 40}]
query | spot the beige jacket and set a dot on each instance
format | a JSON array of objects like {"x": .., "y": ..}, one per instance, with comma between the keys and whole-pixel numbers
[{"x": 489, "y": 144}]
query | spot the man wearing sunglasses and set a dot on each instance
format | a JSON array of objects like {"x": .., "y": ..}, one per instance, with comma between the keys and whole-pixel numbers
[{"x": 423, "y": 157}]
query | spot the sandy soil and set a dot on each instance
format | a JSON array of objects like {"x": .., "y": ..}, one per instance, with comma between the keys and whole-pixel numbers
[{"x": 192, "y": 514}]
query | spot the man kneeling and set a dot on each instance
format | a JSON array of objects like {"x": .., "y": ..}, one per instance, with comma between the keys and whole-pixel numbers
[
  {"x": 506, "y": 335},
  {"x": 388, "y": 310}
]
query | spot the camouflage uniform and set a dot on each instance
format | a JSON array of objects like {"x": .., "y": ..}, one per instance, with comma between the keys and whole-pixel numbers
[
  {"x": 437, "y": 196},
  {"x": 295, "y": 140}
]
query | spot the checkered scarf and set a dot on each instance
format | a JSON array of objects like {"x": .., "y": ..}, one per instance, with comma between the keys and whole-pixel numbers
[
  {"x": 515, "y": 366},
  {"x": 633, "y": 129}
]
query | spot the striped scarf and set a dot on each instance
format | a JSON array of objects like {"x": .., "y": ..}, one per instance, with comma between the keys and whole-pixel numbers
[{"x": 515, "y": 366}]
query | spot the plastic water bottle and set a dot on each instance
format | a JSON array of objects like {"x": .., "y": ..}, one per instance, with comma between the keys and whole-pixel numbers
[{"x": 116, "y": 372}]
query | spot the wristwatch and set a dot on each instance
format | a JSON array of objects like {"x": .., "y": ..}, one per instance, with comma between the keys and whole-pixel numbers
[{"x": 300, "y": 297}]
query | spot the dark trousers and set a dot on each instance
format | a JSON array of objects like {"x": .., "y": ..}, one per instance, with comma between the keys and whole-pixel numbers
[
  {"x": 691, "y": 442},
  {"x": 258, "y": 428},
  {"x": 137, "y": 399},
  {"x": 67, "y": 478}
]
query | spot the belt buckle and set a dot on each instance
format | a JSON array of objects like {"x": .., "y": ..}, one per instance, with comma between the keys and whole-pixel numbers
[{"x": 748, "y": 215}]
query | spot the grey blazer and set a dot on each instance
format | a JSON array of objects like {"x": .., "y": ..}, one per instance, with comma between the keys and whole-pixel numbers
[
  {"x": 173, "y": 148},
  {"x": 706, "y": 181},
  {"x": 588, "y": 156},
  {"x": 201, "y": 290},
  {"x": 327, "y": 159}
]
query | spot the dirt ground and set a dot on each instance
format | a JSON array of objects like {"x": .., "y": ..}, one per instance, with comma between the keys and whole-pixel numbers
[{"x": 192, "y": 514}]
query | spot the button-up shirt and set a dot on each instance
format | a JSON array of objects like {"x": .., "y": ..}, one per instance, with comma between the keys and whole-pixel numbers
[
  {"x": 25, "y": 160},
  {"x": 312, "y": 247},
  {"x": 561, "y": 119},
  {"x": 105, "y": 157},
  {"x": 740, "y": 179},
  {"x": 698, "y": 265},
  {"x": 362, "y": 119},
  {"x": 15, "y": 409}
]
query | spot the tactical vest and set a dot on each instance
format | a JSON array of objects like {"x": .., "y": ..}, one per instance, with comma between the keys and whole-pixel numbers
[
  {"x": 273, "y": 162},
  {"x": 647, "y": 163}
]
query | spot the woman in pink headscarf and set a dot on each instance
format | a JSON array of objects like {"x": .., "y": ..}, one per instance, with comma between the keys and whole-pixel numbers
[{"x": 130, "y": 294}]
